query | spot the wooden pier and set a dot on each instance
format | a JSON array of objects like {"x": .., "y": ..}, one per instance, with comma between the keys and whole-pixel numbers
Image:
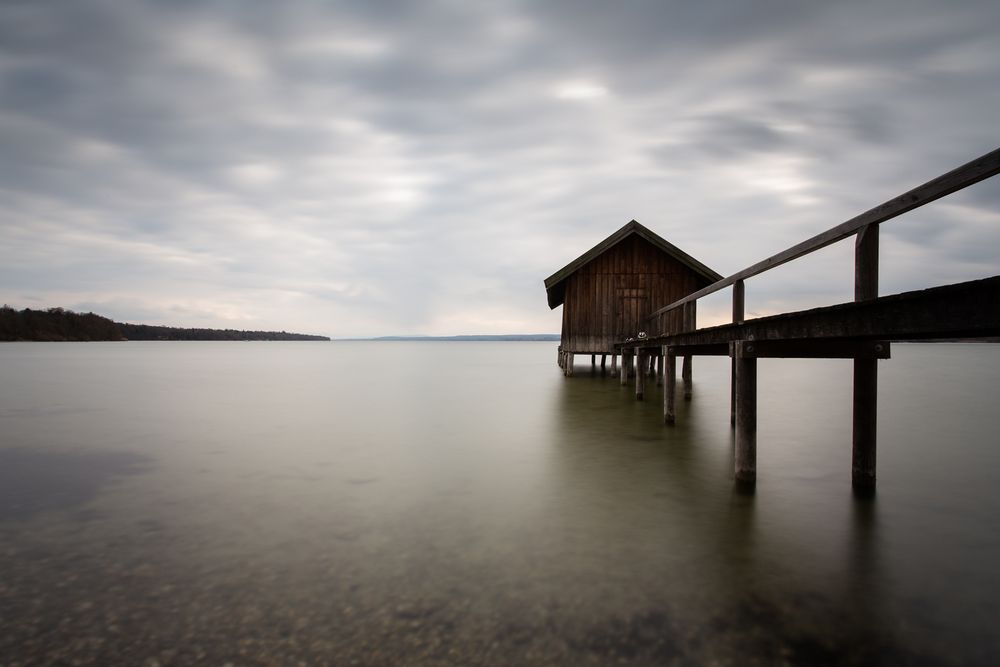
[{"x": 860, "y": 330}]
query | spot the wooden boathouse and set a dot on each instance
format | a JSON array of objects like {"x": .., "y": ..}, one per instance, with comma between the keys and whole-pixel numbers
[{"x": 609, "y": 292}]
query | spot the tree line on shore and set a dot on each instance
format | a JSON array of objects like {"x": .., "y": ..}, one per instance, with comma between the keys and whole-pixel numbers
[{"x": 59, "y": 324}]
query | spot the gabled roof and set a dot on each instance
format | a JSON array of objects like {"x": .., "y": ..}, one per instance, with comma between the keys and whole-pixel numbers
[{"x": 554, "y": 285}]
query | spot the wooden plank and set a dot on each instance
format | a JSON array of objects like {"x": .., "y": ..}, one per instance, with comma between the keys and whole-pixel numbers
[
  {"x": 964, "y": 310},
  {"x": 968, "y": 174},
  {"x": 710, "y": 350}
]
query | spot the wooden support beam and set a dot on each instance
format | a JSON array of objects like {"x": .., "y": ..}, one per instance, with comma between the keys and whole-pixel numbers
[
  {"x": 569, "y": 364},
  {"x": 963, "y": 310},
  {"x": 818, "y": 349},
  {"x": 624, "y": 368},
  {"x": 640, "y": 377},
  {"x": 745, "y": 458},
  {"x": 686, "y": 374},
  {"x": 865, "y": 432},
  {"x": 739, "y": 316},
  {"x": 669, "y": 385},
  {"x": 614, "y": 364},
  {"x": 604, "y": 359},
  {"x": 593, "y": 361},
  {"x": 708, "y": 350}
]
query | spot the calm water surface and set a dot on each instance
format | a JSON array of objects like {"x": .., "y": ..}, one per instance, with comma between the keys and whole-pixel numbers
[{"x": 463, "y": 503}]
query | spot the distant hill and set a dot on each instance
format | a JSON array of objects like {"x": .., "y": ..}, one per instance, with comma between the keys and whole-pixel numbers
[
  {"x": 59, "y": 324},
  {"x": 149, "y": 332},
  {"x": 476, "y": 337},
  {"x": 55, "y": 324}
]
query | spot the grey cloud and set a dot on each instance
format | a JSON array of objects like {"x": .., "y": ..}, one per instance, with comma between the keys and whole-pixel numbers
[{"x": 389, "y": 165}]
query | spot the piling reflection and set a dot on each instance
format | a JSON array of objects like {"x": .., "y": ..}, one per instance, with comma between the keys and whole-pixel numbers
[{"x": 729, "y": 577}]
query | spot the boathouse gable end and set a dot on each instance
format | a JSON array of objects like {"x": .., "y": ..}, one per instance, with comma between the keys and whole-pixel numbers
[{"x": 609, "y": 292}]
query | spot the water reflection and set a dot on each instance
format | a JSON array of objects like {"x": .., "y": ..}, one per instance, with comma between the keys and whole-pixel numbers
[
  {"x": 730, "y": 583},
  {"x": 466, "y": 504},
  {"x": 39, "y": 480}
]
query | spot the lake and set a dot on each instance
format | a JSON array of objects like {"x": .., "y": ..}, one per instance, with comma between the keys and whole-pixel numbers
[{"x": 428, "y": 503}]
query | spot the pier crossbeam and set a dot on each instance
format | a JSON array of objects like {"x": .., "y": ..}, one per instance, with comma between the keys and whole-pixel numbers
[{"x": 962, "y": 310}]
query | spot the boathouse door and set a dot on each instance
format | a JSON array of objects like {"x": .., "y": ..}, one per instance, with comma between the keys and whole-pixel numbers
[{"x": 633, "y": 309}]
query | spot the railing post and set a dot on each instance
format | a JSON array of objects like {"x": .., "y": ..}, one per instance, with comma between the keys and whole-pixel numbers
[
  {"x": 739, "y": 298},
  {"x": 864, "y": 436},
  {"x": 866, "y": 264}
]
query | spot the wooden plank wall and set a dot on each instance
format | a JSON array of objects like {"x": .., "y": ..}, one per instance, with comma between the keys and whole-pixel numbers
[{"x": 612, "y": 296}]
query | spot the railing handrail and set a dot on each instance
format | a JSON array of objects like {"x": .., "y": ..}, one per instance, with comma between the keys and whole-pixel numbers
[{"x": 957, "y": 179}]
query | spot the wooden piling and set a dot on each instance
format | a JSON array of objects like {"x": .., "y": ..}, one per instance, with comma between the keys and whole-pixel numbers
[
  {"x": 569, "y": 364},
  {"x": 746, "y": 412},
  {"x": 593, "y": 361},
  {"x": 624, "y": 368},
  {"x": 732, "y": 392},
  {"x": 614, "y": 364},
  {"x": 686, "y": 377},
  {"x": 640, "y": 376},
  {"x": 659, "y": 370},
  {"x": 604, "y": 359},
  {"x": 864, "y": 434},
  {"x": 739, "y": 308},
  {"x": 669, "y": 384}
]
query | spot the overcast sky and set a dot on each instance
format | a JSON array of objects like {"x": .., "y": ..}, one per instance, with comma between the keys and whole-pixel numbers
[{"x": 379, "y": 168}]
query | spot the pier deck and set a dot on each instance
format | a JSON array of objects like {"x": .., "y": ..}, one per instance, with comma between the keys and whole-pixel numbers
[{"x": 861, "y": 330}]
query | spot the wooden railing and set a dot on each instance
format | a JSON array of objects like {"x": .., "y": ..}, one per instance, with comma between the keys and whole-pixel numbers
[{"x": 865, "y": 226}]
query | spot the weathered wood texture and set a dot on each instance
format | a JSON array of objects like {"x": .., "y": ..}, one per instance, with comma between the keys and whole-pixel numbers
[
  {"x": 610, "y": 298},
  {"x": 745, "y": 455},
  {"x": 964, "y": 310},
  {"x": 669, "y": 385},
  {"x": 640, "y": 377},
  {"x": 866, "y": 264},
  {"x": 817, "y": 349},
  {"x": 865, "y": 423}
]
